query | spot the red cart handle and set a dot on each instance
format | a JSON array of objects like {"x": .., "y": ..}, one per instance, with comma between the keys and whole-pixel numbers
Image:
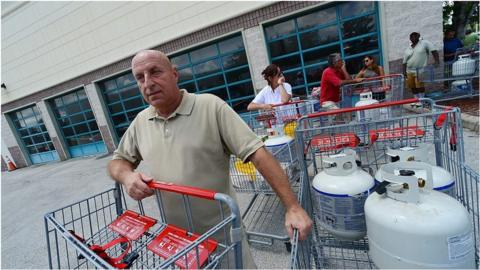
[
  {"x": 442, "y": 117},
  {"x": 288, "y": 103},
  {"x": 366, "y": 107},
  {"x": 187, "y": 190}
]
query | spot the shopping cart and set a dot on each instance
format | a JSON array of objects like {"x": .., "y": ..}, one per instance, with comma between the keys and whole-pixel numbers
[
  {"x": 264, "y": 216},
  {"x": 384, "y": 88},
  {"x": 109, "y": 231},
  {"x": 438, "y": 126},
  {"x": 452, "y": 80}
]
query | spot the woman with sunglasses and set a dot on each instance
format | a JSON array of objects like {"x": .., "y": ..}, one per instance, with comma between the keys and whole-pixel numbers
[{"x": 371, "y": 70}]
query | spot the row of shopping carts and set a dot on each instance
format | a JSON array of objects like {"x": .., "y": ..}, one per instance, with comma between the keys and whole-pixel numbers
[
  {"x": 438, "y": 127},
  {"x": 109, "y": 230},
  {"x": 453, "y": 79}
]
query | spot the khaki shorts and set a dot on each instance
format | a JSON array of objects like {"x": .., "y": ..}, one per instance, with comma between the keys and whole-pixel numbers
[{"x": 413, "y": 82}]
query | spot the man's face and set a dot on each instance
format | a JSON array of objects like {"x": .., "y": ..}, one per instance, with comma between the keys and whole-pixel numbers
[
  {"x": 156, "y": 78},
  {"x": 414, "y": 39},
  {"x": 338, "y": 64},
  {"x": 450, "y": 34}
]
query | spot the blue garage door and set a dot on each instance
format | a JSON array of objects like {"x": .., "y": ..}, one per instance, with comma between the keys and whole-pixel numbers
[
  {"x": 79, "y": 127},
  {"x": 30, "y": 128},
  {"x": 219, "y": 68},
  {"x": 301, "y": 44},
  {"x": 123, "y": 99}
]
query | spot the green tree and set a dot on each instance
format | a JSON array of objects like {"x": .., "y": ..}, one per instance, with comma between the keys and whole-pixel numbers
[{"x": 459, "y": 15}]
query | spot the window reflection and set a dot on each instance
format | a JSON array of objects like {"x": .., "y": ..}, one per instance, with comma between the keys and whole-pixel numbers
[
  {"x": 350, "y": 9},
  {"x": 360, "y": 45},
  {"x": 231, "y": 44},
  {"x": 359, "y": 26},
  {"x": 281, "y": 29},
  {"x": 319, "y": 37},
  {"x": 317, "y": 18},
  {"x": 31, "y": 129},
  {"x": 283, "y": 46}
]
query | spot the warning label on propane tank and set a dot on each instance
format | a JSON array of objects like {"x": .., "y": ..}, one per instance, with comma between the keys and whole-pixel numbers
[
  {"x": 460, "y": 246},
  {"x": 341, "y": 212}
]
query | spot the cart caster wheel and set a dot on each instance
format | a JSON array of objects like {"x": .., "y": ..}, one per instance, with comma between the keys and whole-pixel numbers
[{"x": 288, "y": 246}]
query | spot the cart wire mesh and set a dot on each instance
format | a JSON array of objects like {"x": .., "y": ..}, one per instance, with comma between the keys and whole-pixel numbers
[
  {"x": 437, "y": 126},
  {"x": 72, "y": 232}
]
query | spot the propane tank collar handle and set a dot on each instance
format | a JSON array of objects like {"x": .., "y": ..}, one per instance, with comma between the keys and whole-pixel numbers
[
  {"x": 341, "y": 161},
  {"x": 407, "y": 175}
]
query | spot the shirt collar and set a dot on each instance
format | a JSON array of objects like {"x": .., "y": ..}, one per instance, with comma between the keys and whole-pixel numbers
[{"x": 185, "y": 107}]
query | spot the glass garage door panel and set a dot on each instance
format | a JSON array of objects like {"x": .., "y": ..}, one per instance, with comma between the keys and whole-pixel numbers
[
  {"x": 219, "y": 68},
  {"x": 78, "y": 125},
  {"x": 31, "y": 130},
  {"x": 301, "y": 44},
  {"x": 123, "y": 99}
]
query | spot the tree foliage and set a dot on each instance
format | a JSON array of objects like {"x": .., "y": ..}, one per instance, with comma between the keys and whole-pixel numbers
[{"x": 460, "y": 14}]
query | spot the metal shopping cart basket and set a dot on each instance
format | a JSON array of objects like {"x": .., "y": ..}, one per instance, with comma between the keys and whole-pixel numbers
[
  {"x": 437, "y": 126},
  {"x": 383, "y": 88},
  {"x": 109, "y": 231},
  {"x": 453, "y": 79},
  {"x": 264, "y": 216}
]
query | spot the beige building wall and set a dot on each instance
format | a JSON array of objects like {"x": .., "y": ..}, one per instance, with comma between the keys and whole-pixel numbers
[{"x": 45, "y": 43}]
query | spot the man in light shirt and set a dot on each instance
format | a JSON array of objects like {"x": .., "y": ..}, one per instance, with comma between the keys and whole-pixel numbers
[{"x": 415, "y": 58}]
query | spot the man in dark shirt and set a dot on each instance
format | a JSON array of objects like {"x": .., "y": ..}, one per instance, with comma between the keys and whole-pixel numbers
[{"x": 450, "y": 45}]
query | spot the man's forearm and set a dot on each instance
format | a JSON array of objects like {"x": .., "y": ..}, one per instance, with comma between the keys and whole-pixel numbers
[
  {"x": 119, "y": 169},
  {"x": 275, "y": 176}
]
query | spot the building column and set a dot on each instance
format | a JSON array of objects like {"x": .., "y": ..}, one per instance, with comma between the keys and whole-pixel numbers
[
  {"x": 53, "y": 131},
  {"x": 10, "y": 141},
  {"x": 101, "y": 115},
  {"x": 257, "y": 54}
]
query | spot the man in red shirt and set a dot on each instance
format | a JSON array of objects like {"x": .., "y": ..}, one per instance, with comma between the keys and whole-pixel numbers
[{"x": 333, "y": 77}]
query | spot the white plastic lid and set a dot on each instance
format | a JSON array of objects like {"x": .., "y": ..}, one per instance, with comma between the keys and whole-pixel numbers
[{"x": 280, "y": 140}]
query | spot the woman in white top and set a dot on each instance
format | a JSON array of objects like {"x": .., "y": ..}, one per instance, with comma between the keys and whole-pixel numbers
[{"x": 277, "y": 91}]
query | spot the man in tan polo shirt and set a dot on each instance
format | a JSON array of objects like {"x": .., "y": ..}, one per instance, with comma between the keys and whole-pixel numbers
[{"x": 187, "y": 139}]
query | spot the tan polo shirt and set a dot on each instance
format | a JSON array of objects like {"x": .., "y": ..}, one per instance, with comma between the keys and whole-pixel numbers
[{"x": 190, "y": 147}]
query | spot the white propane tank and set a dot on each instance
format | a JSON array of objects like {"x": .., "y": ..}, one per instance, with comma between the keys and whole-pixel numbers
[
  {"x": 460, "y": 86},
  {"x": 366, "y": 99},
  {"x": 339, "y": 194},
  {"x": 285, "y": 145},
  {"x": 443, "y": 181},
  {"x": 464, "y": 66},
  {"x": 414, "y": 226}
]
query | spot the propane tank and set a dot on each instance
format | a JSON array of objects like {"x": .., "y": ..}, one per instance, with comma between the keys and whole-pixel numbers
[
  {"x": 372, "y": 114},
  {"x": 443, "y": 181},
  {"x": 409, "y": 225},
  {"x": 282, "y": 147},
  {"x": 464, "y": 66},
  {"x": 339, "y": 193}
]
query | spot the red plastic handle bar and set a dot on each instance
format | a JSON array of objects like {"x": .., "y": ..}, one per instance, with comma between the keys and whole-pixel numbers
[
  {"x": 441, "y": 119},
  {"x": 288, "y": 103},
  {"x": 366, "y": 107},
  {"x": 186, "y": 190}
]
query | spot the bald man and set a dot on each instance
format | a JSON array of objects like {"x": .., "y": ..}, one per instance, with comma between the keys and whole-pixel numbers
[{"x": 187, "y": 139}]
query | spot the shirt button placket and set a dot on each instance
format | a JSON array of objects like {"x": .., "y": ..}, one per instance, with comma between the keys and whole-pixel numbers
[{"x": 166, "y": 130}]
